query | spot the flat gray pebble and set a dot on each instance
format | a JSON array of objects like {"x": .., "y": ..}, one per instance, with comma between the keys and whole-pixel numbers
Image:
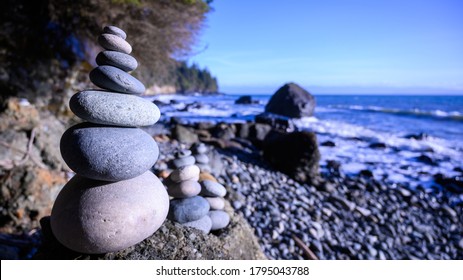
[
  {"x": 213, "y": 189},
  {"x": 202, "y": 158},
  {"x": 184, "y": 161},
  {"x": 113, "y": 42},
  {"x": 185, "y": 173},
  {"x": 189, "y": 209},
  {"x": 112, "y": 78},
  {"x": 216, "y": 203},
  {"x": 96, "y": 217},
  {"x": 119, "y": 60},
  {"x": 204, "y": 224},
  {"x": 184, "y": 189},
  {"x": 108, "y": 153},
  {"x": 115, "y": 31},
  {"x": 220, "y": 219},
  {"x": 112, "y": 108}
]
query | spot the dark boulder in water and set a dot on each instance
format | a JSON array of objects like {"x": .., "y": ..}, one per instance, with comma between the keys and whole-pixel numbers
[
  {"x": 453, "y": 184},
  {"x": 377, "y": 145},
  {"x": 292, "y": 101},
  {"x": 295, "y": 154},
  {"x": 245, "y": 99},
  {"x": 328, "y": 144},
  {"x": 419, "y": 136},
  {"x": 426, "y": 159}
]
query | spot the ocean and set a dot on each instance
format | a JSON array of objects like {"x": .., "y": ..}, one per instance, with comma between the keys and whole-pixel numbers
[{"x": 423, "y": 135}]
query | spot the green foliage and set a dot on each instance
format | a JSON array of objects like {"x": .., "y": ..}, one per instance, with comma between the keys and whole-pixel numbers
[{"x": 191, "y": 79}]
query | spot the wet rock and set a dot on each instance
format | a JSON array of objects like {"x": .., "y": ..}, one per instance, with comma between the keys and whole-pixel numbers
[
  {"x": 292, "y": 101},
  {"x": 295, "y": 154},
  {"x": 377, "y": 145},
  {"x": 328, "y": 144},
  {"x": 184, "y": 134},
  {"x": 245, "y": 99}
]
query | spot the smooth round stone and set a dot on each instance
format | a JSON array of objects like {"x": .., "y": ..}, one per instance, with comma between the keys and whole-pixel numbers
[
  {"x": 204, "y": 168},
  {"x": 204, "y": 224},
  {"x": 119, "y": 60},
  {"x": 184, "y": 189},
  {"x": 96, "y": 217},
  {"x": 112, "y": 108},
  {"x": 216, "y": 203},
  {"x": 202, "y": 158},
  {"x": 113, "y": 42},
  {"x": 112, "y": 78},
  {"x": 108, "y": 153},
  {"x": 201, "y": 148},
  {"x": 220, "y": 219},
  {"x": 189, "y": 209},
  {"x": 183, "y": 153},
  {"x": 184, "y": 161},
  {"x": 185, "y": 173},
  {"x": 115, "y": 31},
  {"x": 213, "y": 189}
]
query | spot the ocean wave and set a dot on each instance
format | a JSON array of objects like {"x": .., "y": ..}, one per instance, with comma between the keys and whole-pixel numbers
[{"x": 438, "y": 114}]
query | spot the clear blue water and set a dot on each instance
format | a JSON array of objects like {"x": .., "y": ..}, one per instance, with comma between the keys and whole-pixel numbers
[{"x": 344, "y": 119}]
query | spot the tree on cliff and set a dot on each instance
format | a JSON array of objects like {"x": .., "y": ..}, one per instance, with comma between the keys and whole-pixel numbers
[{"x": 58, "y": 33}]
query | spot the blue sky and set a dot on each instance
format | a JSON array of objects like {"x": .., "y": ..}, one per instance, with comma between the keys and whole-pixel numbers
[{"x": 335, "y": 46}]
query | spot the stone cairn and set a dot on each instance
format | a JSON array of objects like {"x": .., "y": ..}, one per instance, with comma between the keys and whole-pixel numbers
[
  {"x": 189, "y": 207},
  {"x": 201, "y": 157},
  {"x": 113, "y": 201}
]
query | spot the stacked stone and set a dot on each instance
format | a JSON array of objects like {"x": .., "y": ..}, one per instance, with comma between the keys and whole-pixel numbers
[
  {"x": 187, "y": 208},
  {"x": 214, "y": 192},
  {"x": 202, "y": 160},
  {"x": 114, "y": 201}
]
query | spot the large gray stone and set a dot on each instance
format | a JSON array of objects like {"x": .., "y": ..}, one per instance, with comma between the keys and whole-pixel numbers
[
  {"x": 114, "y": 108},
  {"x": 184, "y": 189},
  {"x": 112, "y": 78},
  {"x": 190, "y": 209},
  {"x": 113, "y": 42},
  {"x": 108, "y": 153},
  {"x": 117, "y": 59},
  {"x": 202, "y": 158},
  {"x": 115, "y": 31},
  {"x": 220, "y": 219},
  {"x": 204, "y": 224},
  {"x": 213, "y": 189},
  {"x": 292, "y": 101},
  {"x": 95, "y": 217}
]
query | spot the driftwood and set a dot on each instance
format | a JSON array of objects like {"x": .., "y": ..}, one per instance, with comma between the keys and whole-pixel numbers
[{"x": 307, "y": 252}]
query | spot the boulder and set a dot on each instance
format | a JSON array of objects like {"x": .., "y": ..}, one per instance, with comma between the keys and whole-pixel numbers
[
  {"x": 172, "y": 241},
  {"x": 184, "y": 134},
  {"x": 291, "y": 101},
  {"x": 245, "y": 99},
  {"x": 295, "y": 154}
]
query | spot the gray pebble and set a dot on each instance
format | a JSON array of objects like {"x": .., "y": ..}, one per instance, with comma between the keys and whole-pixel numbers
[
  {"x": 200, "y": 148},
  {"x": 115, "y": 31},
  {"x": 220, "y": 219},
  {"x": 204, "y": 224},
  {"x": 216, "y": 203},
  {"x": 183, "y": 153},
  {"x": 204, "y": 167},
  {"x": 184, "y": 161},
  {"x": 119, "y": 60},
  {"x": 108, "y": 153},
  {"x": 188, "y": 209},
  {"x": 185, "y": 173},
  {"x": 184, "y": 189},
  {"x": 237, "y": 204},
  {"x": 213, "y": 189},
  {"x": 96, "y": 217},
  {"x": 111, "y": 108},
  {"x": 114, "y": 43},
  {"x": 112, "y": 78},
  {"x": 202, "y": 158}
]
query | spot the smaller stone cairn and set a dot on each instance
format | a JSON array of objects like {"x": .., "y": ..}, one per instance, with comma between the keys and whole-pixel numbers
[
  {"x": 187, "y": 207},
  {"x": 201, "y": 157},
  {"x": 214, "y": 192},
  {"x": 113, "y": 201}
]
